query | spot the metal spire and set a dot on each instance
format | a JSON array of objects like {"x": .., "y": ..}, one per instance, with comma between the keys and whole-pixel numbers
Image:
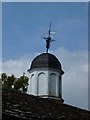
[{"x": 48, "y": 39}]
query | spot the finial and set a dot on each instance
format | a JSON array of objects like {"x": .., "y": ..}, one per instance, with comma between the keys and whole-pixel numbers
[{"x": 48, "y": 39}]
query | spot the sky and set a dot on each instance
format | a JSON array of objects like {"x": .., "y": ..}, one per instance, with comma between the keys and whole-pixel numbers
[
  {"x": 45, "y": 0},
  {"x": 26, "y": 23},
  {"x": 23, "y": 28}
]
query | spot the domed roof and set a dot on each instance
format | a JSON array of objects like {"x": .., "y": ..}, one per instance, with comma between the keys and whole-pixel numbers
[{"x": 45, "y": 60}]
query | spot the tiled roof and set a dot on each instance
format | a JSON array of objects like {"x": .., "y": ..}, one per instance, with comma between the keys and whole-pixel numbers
[{"x": 20, "y": 106}]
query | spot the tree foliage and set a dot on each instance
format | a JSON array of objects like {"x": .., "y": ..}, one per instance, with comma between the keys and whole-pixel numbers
[{"x": 12, "y": 82}]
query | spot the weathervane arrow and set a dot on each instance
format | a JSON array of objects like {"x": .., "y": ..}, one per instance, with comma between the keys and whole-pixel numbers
[{"x": 49, "y": 38}]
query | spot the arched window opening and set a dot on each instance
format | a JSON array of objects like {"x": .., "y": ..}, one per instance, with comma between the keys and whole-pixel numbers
[
  {"x": 42, "y": 84},
  {"x": 52, "y": 84},
  {"x": 32, "y": 84}
]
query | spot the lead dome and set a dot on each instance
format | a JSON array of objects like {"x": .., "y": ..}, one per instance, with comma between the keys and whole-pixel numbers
[{"x": 45, "y": 60}]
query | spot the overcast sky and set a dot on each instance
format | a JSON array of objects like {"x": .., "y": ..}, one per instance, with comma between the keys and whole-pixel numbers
[{"x": 24, "y": 25}]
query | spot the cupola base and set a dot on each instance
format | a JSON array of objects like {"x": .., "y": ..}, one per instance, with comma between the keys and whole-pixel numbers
[{"x": 52, "y": 98}]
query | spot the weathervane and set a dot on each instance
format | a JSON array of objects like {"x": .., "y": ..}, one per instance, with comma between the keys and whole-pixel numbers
[{"x": 48, "y": 39}]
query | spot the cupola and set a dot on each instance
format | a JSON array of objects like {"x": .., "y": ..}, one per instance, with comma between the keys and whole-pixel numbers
[{"x": 46, "y": 74}]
